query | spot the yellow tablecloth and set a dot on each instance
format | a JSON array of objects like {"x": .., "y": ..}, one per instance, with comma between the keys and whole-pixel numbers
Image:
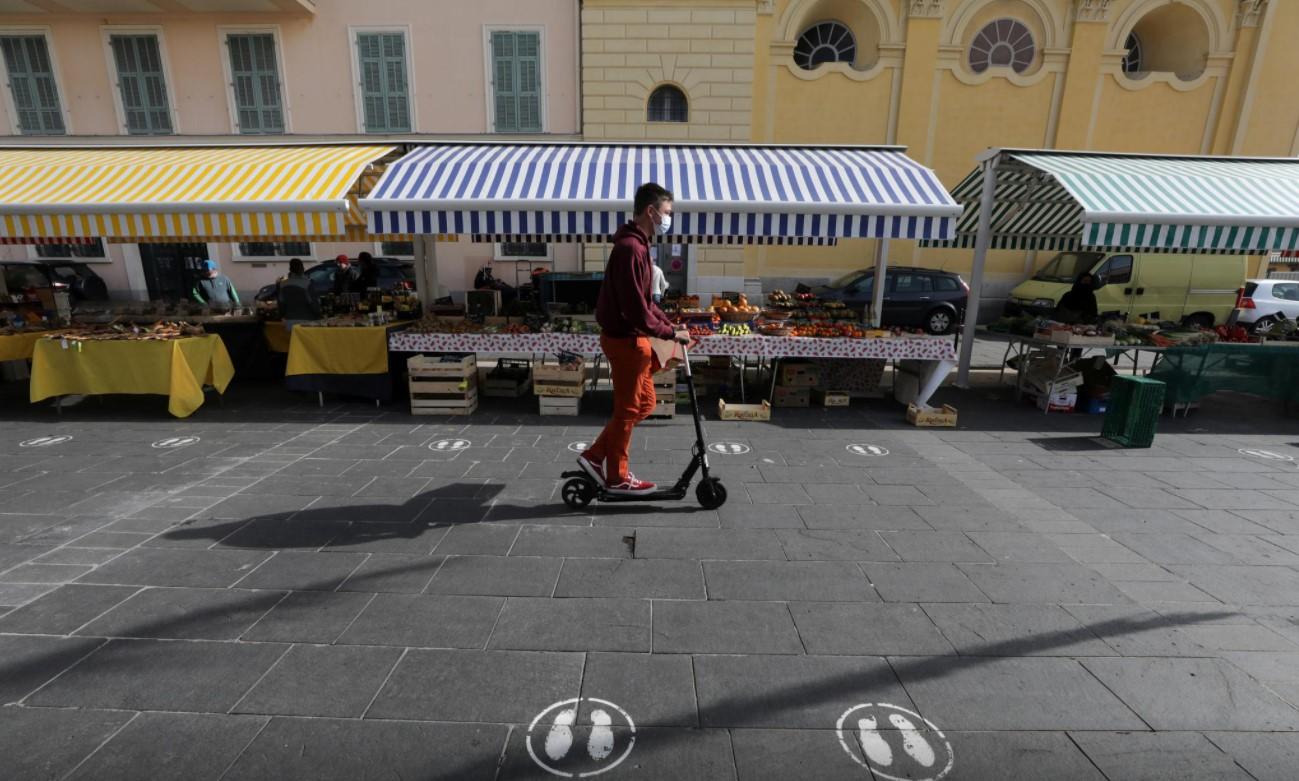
[
  {"x": 277, "y": 339},
  {"x": 18, "y": 347},
  {"x": 177, "y": 368},
  {"x": 323, "y": 350}
]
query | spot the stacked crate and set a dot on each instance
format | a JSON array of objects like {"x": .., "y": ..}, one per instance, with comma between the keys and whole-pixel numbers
[
  {"x": 559, "y": 387},
  {"x": 443, "y": 385},
  {"x": 665, "y": 394},
  {"x": 794, "y": 383}
]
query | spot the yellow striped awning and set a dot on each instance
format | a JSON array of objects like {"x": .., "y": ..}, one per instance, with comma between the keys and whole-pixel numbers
[{"x": 164, "y": 194}]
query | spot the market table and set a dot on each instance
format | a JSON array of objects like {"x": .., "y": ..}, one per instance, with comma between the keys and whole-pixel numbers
[
  {"x": 348, "y": 361},
  {"x": 176, "y": 368},
  {"x": 1270, "y": 370},
  {"x": 938, "y": 356},
  {"x": 18, "y": 347}
]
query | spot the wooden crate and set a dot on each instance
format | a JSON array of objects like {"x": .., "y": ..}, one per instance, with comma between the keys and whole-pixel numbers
[
  {"x": 931, "y": 417},
  {"x": 564, "y": 405},
  {"x": 785, "y": 396},
  {"x": 798, "y": 374},
  {"x": 744, "y": 411},
  {"x": 442, "y": 367},
  {"x": 550, "y": 379},
  {"x": 829, "y": 398},
  {"x": 444, "y": 396}
]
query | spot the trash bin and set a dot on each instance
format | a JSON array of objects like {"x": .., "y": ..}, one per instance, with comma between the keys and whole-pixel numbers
[{"x": 1134, "y": 409}]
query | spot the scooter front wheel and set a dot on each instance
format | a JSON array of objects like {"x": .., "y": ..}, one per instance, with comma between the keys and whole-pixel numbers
[
  {"x": 577, "y": 492},
  {"x": 711, "y": 493}
]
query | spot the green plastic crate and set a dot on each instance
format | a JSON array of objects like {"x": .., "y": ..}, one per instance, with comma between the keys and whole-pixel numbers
[{"x": 1135, "y": 406}]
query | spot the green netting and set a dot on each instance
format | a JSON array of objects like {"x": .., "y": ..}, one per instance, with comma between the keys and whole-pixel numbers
[{"x": 1191, "y": 373}]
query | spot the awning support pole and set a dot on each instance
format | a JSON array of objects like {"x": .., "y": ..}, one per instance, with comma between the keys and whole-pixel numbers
[
  {"x": 981, "y": 241},
  {"x": 426, "y": 269},
  {"x": 881, "y": 268}
]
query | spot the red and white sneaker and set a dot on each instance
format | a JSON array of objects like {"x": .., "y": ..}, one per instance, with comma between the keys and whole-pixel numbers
[
  {"x": 630, "y": 486},
  {"x": 596, "y": 471}
]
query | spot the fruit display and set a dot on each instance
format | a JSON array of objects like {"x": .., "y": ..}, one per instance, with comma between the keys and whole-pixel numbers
[
  {"x": 568, "y": 325},
  {"x": 700, "y": 331},
  {"x": 432, "y": 324},
  {"x": 739, "y": 312},
  {"x": 734, "y": 329},
  {"x": 830, "y": 331}
]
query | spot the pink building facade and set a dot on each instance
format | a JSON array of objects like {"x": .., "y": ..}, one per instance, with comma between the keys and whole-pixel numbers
[{"x": 240, "y": 71}]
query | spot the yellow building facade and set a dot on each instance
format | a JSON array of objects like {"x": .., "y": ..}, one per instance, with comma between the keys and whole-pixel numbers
[{"x": 947, "y": 79}]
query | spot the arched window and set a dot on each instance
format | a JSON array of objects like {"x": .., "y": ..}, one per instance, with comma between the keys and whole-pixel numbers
[
  {"x": 668, "y": 104},
  {"x": 1132, "y": 61},
  {"x": 825, "y": 42},
  {"x": 1004, "y": 43}
]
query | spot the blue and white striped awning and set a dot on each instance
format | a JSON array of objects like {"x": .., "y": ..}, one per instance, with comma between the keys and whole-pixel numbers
[
  {"x": 1147, "y": 203},
  {"x": 764, "y": 194}
]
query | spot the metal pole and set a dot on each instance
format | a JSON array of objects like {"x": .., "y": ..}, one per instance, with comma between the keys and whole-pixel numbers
[
  {"x": 981, "y": 242},
  {"x": 426, "y": 269},
  {"x": 881, "y": 268}
]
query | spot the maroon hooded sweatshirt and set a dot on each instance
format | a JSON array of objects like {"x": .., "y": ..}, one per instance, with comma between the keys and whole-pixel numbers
[{"x": 624, "y": 308}]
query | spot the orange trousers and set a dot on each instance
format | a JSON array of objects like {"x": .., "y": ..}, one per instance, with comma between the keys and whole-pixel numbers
[{"x": 631, "y": 362}]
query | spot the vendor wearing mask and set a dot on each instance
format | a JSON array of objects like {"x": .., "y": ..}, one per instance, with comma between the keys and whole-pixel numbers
[
  {"x": 345, "y": 277},
  {"x": 215, "y": 289}
]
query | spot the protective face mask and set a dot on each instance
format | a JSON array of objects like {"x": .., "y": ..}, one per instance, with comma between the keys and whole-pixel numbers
[{"x": 665, "y": 224}]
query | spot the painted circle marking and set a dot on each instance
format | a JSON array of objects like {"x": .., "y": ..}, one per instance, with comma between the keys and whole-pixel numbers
[
  {"x": 578, "y": 447},
  {"x": 868, "y": 450},
  {"x": 448, "y": 445},
  {"x": 175, "y": 442},
  {"x": 1268, "y": 454},
  {"x": 728, "y": 448},
  {"x": 890, "y": 740},
  {"x": 552, "y": 736},
  {"x": 46, "y": 441}
]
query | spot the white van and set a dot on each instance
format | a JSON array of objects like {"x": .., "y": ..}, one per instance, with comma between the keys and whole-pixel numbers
[{"x": 1198, "y": 289}]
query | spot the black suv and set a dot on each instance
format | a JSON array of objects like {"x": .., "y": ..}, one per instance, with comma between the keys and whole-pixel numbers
[
  {"x": 393, "y": 274},
  {"x": 79, "y": 279},
  {"x": 913, "y": 297}
]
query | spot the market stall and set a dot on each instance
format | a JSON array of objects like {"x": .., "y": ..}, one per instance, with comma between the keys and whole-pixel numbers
[
  {"x": 172, "y": 361},
  {"x": 723, "y": 193},
  {"x": 1058, "y": 201},
  {"x": 341, "y": 356},
  {"x": 18, "y": 345},
  {"x": 1190, "y": 373}
]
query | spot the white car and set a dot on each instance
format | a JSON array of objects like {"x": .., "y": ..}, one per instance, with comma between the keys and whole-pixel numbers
[{"x": 1265, "y": 301}]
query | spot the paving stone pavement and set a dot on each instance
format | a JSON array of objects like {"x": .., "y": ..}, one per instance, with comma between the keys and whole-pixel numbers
[{"x": 315, "y": 593}]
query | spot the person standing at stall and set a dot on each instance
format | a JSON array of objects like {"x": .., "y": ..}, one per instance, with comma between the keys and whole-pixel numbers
[
  {"x": 298, "y": 302},
  {"x": 344, "y": 276},
  {"x": 659, "y": 285},
  {"x": 628, "y": 318},
  {"x": 367, "y": 276},
  {"x": 215, "y": 289}
]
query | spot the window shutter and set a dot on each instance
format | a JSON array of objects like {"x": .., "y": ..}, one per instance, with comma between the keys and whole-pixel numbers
[
  {"x": 255, "y": 79},
  {"x": 516, "y": 70},
  {"x": 31, "y": 82},
  {"x": 385, "y": 94},
  {"x": 142, "y": 84}
]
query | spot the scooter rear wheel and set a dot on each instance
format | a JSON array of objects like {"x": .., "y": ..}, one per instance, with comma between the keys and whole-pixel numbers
[
  {"x": 577, "y": 492},
  {"x": 711, "y": 493}
]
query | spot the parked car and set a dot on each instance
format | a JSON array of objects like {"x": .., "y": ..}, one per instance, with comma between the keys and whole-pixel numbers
[
  {"x": 1265, "y": 301},
  {"x": 913, "y": 297},
  {"x": 79, "y": 279},
  {"x": 1195, "y": 289},
  {"x": 394, "y": 274}
]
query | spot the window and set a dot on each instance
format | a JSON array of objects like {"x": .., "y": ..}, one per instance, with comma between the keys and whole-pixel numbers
[
  {"x": 946, "y": 285},
  {"x": 1285, "y": 292},
  {"x": 385, "y": 92},
  {"x": 32, "y": 85},
  {"x": 913, "y": 283},
  {"x": 668, "y": 104},
  {"x": 1132, "y": 62},
  {"x": 275, "y": 249},
  {"x": 92, "y": 250},
  {"x": 142, "y": 84},
  {"x": 522, "y": 250},
  {"x": 825, "y": 42},
  {"x": 397, "y": 249},
  {"x": 255, "y": 81},
  {"x": 1116, "y": 271},
  {"x": 516, "y": 81},
  {"x": 1004, "y": 43}
]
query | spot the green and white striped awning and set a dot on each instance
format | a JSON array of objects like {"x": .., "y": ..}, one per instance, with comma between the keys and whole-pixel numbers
[{"x": 1071, "y": 200}]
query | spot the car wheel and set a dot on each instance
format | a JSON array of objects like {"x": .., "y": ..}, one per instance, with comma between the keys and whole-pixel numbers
[
  {"x": 939, "y": 321},
  {"x": 1264, "y": 325},
  {"x": 1202, "y": 320}
]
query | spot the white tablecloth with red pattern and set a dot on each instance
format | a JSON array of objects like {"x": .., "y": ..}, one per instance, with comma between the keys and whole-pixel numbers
[{"x": 916, "y": 349}]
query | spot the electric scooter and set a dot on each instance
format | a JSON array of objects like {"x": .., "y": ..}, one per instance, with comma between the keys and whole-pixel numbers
[{"x": 581, "y": 489}]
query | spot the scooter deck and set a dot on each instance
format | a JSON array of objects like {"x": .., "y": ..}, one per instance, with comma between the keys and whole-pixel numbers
[{"x": 601, "y": 495}]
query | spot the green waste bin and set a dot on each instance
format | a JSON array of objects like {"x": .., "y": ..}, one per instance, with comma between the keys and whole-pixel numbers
[{"x": 1135, "y": 406}]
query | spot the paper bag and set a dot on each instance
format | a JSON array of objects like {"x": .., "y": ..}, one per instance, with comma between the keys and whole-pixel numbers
[{"x": 667, "y": 353}]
